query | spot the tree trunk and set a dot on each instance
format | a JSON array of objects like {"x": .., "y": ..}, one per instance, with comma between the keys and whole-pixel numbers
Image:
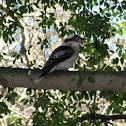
[{"x": 64, "y": 80}]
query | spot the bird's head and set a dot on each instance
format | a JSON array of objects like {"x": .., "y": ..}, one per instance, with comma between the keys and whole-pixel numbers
[{"x": 73, "y": 40}]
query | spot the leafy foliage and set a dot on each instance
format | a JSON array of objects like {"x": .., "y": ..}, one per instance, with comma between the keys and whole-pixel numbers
[{"x": 99, "y": 21}]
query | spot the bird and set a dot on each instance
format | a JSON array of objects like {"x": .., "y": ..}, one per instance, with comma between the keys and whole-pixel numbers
[{"x": 63, "y": 57}]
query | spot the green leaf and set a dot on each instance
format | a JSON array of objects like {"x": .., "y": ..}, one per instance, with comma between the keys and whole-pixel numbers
[
  {"x": 109, "y": 109},
  {"x": 124, "y": 30},
  {"x": 26, "y": 1},
  {"x": 21, "y": 60},
  {"x": 38, "y": 42},
  {"x": 26, "y": 101},
  {"x": 106, "y": 93},
  {"x": 19, "y": 121},
  {"x": 1, "y": 96},
  {"x": 14, "y": 94},
  {"x": 115, "y": 61},
  {"x": 12, "y": 118},
  {"x": 122, "y": 60},
  {"x": 14, "y": 61},
  {"x": 114, "y": 105},
  {"x": 11, "y": 97},
  {"x": 1, "y": 116},
  {"x": 19, "y": 1},
  {"x": 120, "y": 31},
  {"x": 125, "y": 56},
  {"x": 4, "y": 108}
]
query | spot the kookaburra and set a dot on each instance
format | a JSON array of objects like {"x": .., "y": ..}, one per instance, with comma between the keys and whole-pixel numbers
[{"x": 63, "y": 57}]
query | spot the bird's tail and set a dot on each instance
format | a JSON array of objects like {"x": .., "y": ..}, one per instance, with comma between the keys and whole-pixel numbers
[
  {"x": 38, "y": 79},
  {"x": 45, "y": 71}
]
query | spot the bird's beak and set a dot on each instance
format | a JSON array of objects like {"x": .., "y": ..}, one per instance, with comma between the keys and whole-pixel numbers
[{"x": 81, "y": 39}]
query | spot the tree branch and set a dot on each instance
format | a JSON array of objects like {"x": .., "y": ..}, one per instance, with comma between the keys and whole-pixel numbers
[
  {"x": 101, "y": 117},
  {"x": 64, "y": 80}
]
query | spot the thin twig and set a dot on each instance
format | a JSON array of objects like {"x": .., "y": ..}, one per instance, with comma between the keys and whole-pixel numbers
[{"x": 18, "y": 113}]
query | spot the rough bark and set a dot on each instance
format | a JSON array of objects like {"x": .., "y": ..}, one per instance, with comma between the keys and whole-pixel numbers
[{"x": 64, "y": 80}]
